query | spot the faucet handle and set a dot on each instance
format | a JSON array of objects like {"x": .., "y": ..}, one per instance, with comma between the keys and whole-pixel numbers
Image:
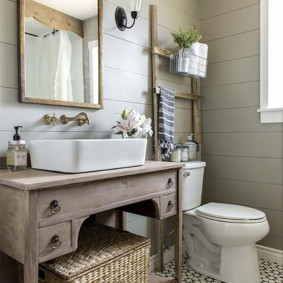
[{"x": 50, "y": 120}]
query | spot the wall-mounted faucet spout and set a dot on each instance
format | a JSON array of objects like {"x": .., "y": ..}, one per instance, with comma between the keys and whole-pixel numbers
[{"x": 81, "y": 119}]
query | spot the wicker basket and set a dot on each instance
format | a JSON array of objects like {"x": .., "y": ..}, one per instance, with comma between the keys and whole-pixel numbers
[{"x": 105, "y": 255}]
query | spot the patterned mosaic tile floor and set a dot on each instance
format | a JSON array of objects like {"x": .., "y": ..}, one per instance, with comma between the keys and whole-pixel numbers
[{"x": 270, "y": 273}]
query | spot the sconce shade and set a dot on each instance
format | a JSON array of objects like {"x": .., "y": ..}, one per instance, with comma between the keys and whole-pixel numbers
[
  {"x": 135, "y": 5},
  {"x": 121, "y": 17}
]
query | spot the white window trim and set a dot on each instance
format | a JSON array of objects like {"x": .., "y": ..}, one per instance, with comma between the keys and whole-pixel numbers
[{"x": 267, "y": 115}]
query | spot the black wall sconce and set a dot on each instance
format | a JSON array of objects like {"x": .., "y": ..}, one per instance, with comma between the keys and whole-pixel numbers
[{"x": 121, "y": 17}]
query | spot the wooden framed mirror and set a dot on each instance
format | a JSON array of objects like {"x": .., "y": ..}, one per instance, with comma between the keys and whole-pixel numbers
[{"x": 61, "y": 52}]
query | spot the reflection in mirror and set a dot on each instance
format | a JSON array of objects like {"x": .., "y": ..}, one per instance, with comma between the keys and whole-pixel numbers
[{"x": 62, "y": 52}]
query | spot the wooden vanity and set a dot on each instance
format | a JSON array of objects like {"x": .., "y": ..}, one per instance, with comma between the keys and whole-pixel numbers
[{"x": 41, "y": 212}]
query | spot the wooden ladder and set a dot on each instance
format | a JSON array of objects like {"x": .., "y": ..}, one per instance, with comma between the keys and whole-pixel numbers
[{"x": 193, "y": 95}]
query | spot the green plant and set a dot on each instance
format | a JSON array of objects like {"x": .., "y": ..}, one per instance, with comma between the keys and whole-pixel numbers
[{"x": 185, "y": 38}]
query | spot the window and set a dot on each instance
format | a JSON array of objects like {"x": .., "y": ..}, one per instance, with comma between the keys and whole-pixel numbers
[{"x": 271, "y": 61}]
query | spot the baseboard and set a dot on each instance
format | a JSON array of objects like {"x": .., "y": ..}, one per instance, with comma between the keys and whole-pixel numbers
[
  {"x": 270, "y": 254},
  {"x": 168, "y": 256},
  {"x": 262, "y": 251}
]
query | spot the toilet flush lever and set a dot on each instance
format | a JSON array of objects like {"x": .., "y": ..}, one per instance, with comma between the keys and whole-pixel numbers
[{"x": 187, "y": 174}]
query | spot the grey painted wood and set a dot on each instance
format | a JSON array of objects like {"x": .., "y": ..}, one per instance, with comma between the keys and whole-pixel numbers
[
  {"x": 36, "y": 179},
  {"x": 12, "y": 205},
  {"x": 79, "y": 198},
  {"x": 244, "y": 158}
]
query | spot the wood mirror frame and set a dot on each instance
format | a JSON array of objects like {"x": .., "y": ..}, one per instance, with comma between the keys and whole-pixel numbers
[{"x": 71, "y": 24}]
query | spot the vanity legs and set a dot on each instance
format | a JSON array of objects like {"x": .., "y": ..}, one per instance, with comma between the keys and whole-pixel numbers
[
  {"x": 160, "y": 247},
  {"x": 31, "y": 250},
  {"x": 179, "y": 231}
]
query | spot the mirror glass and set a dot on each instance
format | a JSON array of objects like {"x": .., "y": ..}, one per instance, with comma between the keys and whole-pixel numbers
[{"x": 62, "y": 52}]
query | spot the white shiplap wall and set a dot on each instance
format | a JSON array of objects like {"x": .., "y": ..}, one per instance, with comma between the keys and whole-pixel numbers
[
  {"x": 126, "y": 71},
  {"x": 127, "y": 79},
  {"x": 244, "y": 158}
]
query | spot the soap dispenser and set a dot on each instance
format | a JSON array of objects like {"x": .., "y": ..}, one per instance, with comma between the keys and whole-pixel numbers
[
  {"x": 191, "y": 147},
  {"x": 16, "y": 153}
]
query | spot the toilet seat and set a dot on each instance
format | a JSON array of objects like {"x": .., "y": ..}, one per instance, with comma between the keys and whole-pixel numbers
[{"x": 230, "y": 213}]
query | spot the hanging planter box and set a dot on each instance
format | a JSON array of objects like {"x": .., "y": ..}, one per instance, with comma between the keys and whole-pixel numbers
[{"x": 191, "y": 61}]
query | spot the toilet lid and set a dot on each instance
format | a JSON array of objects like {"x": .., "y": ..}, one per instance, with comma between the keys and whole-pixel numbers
[{"x": 223, "y": 211}]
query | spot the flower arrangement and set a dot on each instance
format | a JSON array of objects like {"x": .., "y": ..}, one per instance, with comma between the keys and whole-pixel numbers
[
  {"x": 186, "y": 38},
  {"x": 133, "y": 124}
]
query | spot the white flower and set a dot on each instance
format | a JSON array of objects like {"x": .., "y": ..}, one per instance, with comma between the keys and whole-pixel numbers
[{"x": 133, "y": 124}]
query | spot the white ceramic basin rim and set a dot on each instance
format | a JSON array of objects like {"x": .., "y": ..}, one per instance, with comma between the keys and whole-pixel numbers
[{"x": 86, "y": 155}]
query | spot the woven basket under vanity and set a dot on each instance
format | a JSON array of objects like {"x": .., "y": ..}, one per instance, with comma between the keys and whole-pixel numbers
[{"x": 104, "y": 255}]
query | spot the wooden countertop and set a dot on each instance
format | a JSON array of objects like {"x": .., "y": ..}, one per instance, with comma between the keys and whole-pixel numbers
[{"x": 32, "y": 179}]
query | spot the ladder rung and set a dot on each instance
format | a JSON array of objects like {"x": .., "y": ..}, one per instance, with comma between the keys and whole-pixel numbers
[
  {"x": 161, "y": 52},
  {"x": 183, "y": 95}
]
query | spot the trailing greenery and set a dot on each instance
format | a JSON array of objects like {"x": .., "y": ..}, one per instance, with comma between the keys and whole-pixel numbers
[{"x": 185, "y": 38}]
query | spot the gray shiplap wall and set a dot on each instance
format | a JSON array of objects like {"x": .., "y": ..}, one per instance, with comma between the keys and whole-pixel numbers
[
  {"x": 127, "y": 79},
  {"x": 244, "y": 158},
  {"x": 126, "y": 70}
]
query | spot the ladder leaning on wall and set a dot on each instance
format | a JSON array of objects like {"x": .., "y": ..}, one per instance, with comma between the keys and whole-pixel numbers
[{"x": 193, "y": 95}]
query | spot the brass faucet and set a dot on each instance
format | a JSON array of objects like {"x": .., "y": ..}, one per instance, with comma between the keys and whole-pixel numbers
[
  {"x": 49, "y": 120},
  {"x": 81, "y": 119}
]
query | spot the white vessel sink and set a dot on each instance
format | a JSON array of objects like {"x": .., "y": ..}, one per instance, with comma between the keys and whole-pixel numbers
[{"x": 77, "y": 156}]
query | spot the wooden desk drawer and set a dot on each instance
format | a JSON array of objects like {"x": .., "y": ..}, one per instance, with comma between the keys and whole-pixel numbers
[
  {"x": 54, "y": 239},
  {"x": 104, "y": 194},
  {"x": 168, "y": 205}
]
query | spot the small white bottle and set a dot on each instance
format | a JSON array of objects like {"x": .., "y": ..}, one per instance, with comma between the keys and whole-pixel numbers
[{"x": 192, "y": 148}]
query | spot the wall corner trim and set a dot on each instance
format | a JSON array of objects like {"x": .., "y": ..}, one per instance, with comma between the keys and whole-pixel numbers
[
  {"x": 263, "y": 252},
  {"x": 270, "y": 254}
]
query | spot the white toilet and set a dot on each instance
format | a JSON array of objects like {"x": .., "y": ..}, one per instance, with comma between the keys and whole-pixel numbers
[{"x": 220, "y": 238}]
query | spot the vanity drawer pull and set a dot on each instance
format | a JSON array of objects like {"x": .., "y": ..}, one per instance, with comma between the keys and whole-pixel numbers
[
  {"x": 170, "y": 183},
  {"x": 54, "y": 207},
  {"x": 170, "y": 205},
  {"x": 55, "y": 242}
]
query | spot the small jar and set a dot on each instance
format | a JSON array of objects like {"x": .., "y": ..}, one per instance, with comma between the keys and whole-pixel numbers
[
  {"x": 16, "y": 156},
  {"x": 184, "y": 153},
  {"x": 176, "y": 154}
]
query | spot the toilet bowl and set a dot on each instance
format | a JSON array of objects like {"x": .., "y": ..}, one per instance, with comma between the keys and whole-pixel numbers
[{"x": 220, "y": 238}]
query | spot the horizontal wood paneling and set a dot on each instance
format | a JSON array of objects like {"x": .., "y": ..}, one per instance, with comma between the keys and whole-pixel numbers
[
  {"x": 263, "y": 170},
  {"x": 227, "y": 24},
  {"x": 266, "y": 145},
  {"x": 126, "y": 71},
  {"x": 260, "y": 195},
  {"x": 8, "y": 66},
  {"x": 236, "y": 120},
  {"x": 231, "y": 72},
  {"x": 8, "y": 27},
  {"x": 208, "y": 9},
  {"x": 233, "y": 47},
  {"x": 127, "y": 79},
  {"x": 244, "y": 158},
  {"x": 272, "y": 242},
  {"x": 231, "y": 96}
]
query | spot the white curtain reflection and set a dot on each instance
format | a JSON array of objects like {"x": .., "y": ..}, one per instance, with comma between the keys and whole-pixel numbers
[
  {"x": 63, "y": 84},
  {"x": 48, "y": 70}
]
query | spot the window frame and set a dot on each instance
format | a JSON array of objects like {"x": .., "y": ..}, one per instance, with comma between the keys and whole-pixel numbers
[{"x": 267, "y": 115}]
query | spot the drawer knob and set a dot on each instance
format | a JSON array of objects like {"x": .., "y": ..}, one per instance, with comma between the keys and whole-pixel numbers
[
  {"x": 55, "y": 242},
  {"x": 54, "y": 207},
  {"x": 170, "y": 183},
  {"x": 170, "y": 205}
]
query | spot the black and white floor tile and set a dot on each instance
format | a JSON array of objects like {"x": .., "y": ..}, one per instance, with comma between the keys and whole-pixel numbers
[{"x": 270, "y": 273}]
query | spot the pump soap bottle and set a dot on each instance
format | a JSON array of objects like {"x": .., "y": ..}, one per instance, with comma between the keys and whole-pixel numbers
[{"x": 16, "y": 153}]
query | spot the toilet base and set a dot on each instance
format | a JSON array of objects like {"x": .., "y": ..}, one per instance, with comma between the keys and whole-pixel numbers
[{"x": 237, "y": 265}]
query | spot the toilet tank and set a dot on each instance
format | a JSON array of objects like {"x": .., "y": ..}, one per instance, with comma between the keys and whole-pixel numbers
[{"x": 192, "y": 184}]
